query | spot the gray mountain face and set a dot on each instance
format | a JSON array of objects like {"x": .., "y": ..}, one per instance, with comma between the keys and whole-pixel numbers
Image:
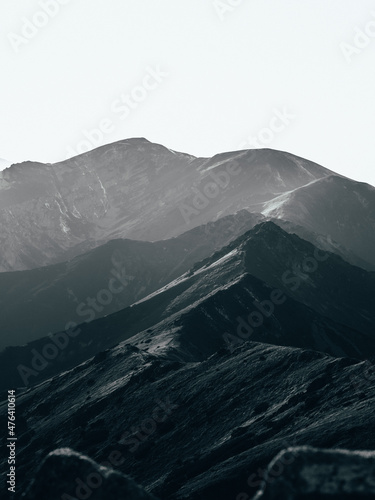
[
  {"x": 334, "y": 206},
  {"x": 139, "y": 190}
]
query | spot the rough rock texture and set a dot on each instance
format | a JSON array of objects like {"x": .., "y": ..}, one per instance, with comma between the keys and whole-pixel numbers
[
  {"x": 222, "y": 419},
  {"x": 311, "y": 473},
  {"x": 67, "y": 475}
]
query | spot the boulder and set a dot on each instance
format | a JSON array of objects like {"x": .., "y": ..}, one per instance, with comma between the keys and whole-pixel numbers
[
  {"x": 302, "y": 473},
  {"x": 67, "y": 475}
]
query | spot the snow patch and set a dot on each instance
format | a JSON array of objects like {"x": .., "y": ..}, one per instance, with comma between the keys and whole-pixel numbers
[
  {"x": 274, "y": 207},
  {"x": 224, "y": 161}
]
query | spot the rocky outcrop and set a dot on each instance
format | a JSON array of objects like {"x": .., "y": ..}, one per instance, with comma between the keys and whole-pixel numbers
[
  {"x": 304, "y": 472},
  {"x": 67, "y": 475}
]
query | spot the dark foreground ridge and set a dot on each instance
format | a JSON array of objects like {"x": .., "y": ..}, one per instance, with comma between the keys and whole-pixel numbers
[
  {"x": 197, "y": 430},
  {"x": 296, "y": 473}
]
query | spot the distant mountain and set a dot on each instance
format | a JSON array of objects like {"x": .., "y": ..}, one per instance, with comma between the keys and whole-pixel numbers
[
  {"x": 335, "y": 206},
  {"x": 105, "y": 280},
  {"x": 324, "y": 242},
  {"x": 131, "y": 189},
  {"x": 138, "y": 190},
  {"x": 267, "y": 286}
]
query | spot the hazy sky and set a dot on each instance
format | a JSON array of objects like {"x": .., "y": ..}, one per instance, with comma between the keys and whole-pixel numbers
[{"x": 199, "y": 76}]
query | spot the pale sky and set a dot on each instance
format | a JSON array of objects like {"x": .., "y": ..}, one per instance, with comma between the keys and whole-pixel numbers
[{"x": 199, "y": 76}]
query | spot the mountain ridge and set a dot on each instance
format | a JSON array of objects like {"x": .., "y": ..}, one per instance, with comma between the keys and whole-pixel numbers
[
  {"x": 308, "y": 309},
  {"x": 133, "y": 189}
]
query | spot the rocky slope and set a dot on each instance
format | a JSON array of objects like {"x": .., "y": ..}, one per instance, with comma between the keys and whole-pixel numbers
[
  {"x": 267, "y": 285},
  {"x": 104, "y": 280},
  {"x": 197, "y": 429}
]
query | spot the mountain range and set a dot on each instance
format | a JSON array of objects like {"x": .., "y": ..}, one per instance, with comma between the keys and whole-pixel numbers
[
  {"x": 238, "y": 288},
  {"x": 134, "y": 189}
]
